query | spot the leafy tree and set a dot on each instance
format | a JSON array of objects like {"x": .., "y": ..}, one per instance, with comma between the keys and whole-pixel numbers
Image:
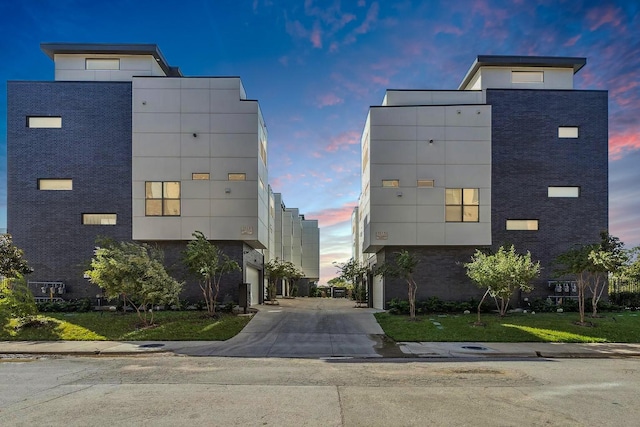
[
  {"x": 403, "y": 267},
  {"x": 12, "y": 262},
  {"x": 209, "y": 263},
  {"x": 353, "y": 272},
  {"x": 135, "y": 272},
  {"x": 502, "y": 273},
  {"x": 278, "y": 269},
  {"x": 16, "y": 299},
  {"x": 591, "y": 264}
]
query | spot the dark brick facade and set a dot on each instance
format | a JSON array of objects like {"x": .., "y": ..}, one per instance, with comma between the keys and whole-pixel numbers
[
  {"x": 527, "y": 158},
  {"x": 93, "y": 148}
]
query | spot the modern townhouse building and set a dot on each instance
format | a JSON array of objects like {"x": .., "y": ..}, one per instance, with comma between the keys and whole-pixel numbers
[
  {"x": 122, "y": 145},
  {"x": 515, "y": 155}
]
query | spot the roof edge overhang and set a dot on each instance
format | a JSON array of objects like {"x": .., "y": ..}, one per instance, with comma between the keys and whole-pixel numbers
[
  {"x": 574, "y": 63},
  {"x": 51, "y": 49}
]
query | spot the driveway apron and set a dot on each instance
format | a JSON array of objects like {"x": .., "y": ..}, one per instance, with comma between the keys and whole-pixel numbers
[{"x": 303, "y": 327}]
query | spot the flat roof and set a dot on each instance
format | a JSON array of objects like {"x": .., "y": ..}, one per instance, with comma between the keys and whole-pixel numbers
[
  {"x": 522, "y": 61},
  {"x": 51, "y": 49}
]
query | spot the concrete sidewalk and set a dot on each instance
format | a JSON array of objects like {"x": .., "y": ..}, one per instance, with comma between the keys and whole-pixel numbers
[{"x": 409, "y": 349}]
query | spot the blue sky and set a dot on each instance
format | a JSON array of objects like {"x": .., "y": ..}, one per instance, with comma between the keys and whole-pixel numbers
[{"x": 317, "y": 66}]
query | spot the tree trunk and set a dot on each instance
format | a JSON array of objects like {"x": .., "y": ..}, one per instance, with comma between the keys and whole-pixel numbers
[{"x": 480, "y": 305}]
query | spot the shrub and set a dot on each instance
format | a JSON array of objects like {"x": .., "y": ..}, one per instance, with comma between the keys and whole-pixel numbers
[{"x": 82, "y": 305}]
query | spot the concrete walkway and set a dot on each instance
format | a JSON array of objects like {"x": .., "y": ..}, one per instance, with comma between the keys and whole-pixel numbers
[
  {"x": 320, "y": 328},
  {"x": 303, "y": 327}
]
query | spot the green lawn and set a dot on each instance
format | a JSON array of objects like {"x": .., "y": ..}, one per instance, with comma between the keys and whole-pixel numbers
[
  {"x": 539, "y": 327},
  {"x": 170, "y": 326}
]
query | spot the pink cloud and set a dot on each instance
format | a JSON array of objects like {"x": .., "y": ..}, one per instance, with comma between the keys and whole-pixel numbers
[
  {"x": 620, "y": 143},
  {"x": 343, "y": 140},
  {"x": 572, "y": 41},
  {"x": 279, "y": 182},
  {"x": 448, "y": 29},
  {"x": 600, "y": 16},
  {"x": 317, "y": 155},
  {"x": 333, "y": 216},
  {"x": 328, "y": 100},
  {"x": 382, "y": 81},
  {"x": 316, "y": 36}
]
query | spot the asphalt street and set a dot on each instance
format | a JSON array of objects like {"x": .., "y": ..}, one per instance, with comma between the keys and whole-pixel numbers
[{"x": 169, "y": 390}]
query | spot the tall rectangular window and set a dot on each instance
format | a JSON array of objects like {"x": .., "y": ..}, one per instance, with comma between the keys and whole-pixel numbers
[
  {"x": 43, "y": 122},
  {"x": 391, "y": 183},
  {"x": 102, "y": 64},
  {"x": 567, "y": 132},
  {"x": 522, "y": 224},
  {"x": 55, "y": 184},
  {"x": 563, "y": 191},
  {"x": 162, "y": 198},
  {"x": 237, "y": 177},
  {"x": 462, "y": 205},
  {"x": 527, "y": 76},
  {"x": 99, "y": 219}
]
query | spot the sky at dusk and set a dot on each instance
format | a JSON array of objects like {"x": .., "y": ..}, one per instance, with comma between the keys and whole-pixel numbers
[{"x": 316, "y": 66}]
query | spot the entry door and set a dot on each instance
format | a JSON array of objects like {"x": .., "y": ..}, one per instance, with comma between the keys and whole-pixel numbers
[
  {"x": 378, "y": 292},
  {"x": 253, "y": 277}
]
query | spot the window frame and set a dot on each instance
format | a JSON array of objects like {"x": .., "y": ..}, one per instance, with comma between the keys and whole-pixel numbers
[
  {"x": 96, "y": 61},
  {"x": 86, "y": 215},
  {"x": 462, "y": 205},
  {"x": 565, "y": 188},
  {"x": 60, "y": 180},
  {"x": 236, "y": 176},
  {"x": 45, "y": 119},
  {"x": 516, "y": 221},
  {"x": 390, "y": 183},
  {"x": 568, "y": 132},
  {"x": 426, "y": 183},
  {"x": 164, "y": 210},
  {"x": 199, "y": 176}
]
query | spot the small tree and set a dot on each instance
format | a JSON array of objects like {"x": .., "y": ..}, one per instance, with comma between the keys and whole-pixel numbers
[
  {"x": 12, "y": 262},
  {"x": 403, "y": 267},
  {"x": 135, "y": 272},
  {"x": 16, "y": 299},
  {"x": 353, "y": 272},
  {"x": 591, "y": 264},
  {"x": 502, "y": 274},
  {"x": 278, "y": 269},
  {"x": 209, "y": 263}
]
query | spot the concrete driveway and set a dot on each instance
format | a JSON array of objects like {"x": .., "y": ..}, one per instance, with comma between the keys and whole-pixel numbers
[{"x": 303, "y": 327}]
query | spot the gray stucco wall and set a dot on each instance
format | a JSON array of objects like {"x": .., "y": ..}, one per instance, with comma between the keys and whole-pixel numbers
[{"x": 93, "y": 148}]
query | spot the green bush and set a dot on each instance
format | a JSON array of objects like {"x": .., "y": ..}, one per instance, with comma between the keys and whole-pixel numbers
[
  {"x": 82, "y": 305},
  {"x": 627, "y": 299},
  {"x": 436, "y": 305},
  {"x": 16, "y": 300}
]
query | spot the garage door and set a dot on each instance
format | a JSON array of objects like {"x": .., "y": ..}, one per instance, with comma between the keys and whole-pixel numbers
[{"x": 253, "y": 277}]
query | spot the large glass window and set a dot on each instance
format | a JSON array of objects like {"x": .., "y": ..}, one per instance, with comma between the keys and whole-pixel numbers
[
  {"x": 462, "y": 205},
  {"x": 55, "y": 184},
  {"x": 44, "y": 122},
  {"x": 99, "y": 219},
  {"x": 162, "y": 198}
]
